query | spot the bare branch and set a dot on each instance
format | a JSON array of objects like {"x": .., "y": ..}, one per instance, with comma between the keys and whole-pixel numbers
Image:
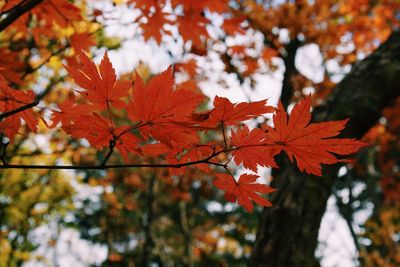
[
  {"x": 17, "y": 110},
  {"x": 18, "y": 12},
  {"x": 115, "y": 166}
]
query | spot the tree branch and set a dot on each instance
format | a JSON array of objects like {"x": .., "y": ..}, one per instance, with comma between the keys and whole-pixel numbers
[
  {"x": 13, "y": 8},
  {"x": 290, "y": 72},
  {"x": 103, "y": 166},
  {"x": 18, "y": 12},
  {"x": 17, "y": 110},
  {"x": 115, "y": 166}
]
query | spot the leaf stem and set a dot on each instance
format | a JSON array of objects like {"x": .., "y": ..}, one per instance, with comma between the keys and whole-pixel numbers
[
  {"x": 113, "y": 142},
  {"x": 223, "y": 134}
]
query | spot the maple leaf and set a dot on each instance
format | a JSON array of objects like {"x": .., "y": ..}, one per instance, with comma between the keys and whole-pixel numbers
[
  {"x": 231, "y": 114},
  {"x": 101, "y": 86},
  {"x": 126, "y": 143},
  {"x": 155, "y": 150},
  {"x": 253, "y": 148},
  {"x": 60, "y": 12},
  {"x": 232, "y": 26},
  {"x": 269, "y": 53},
  {"x": 194, "y": 153},
  {"x": 70, "y": 110},
  {"x": 190, "y": 67},
  {"x": 82, "y": 41},
  {"x": 163, "y": 110},
  {"x": 154, "y": 28},
  {"x": 99, "y": 132},
  {"x": 11, "y": 99},
  {"x": 11, "y": 65},
  {"x": 192, "y": 26},
  {"x": 244, "y": 190},
  {"x": 310, "y": 144}
]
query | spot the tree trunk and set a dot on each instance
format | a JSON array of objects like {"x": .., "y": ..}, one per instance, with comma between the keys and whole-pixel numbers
[{"x": 288, "y": 232}]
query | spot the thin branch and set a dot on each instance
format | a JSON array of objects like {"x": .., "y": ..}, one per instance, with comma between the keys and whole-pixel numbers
[
  {"x": 112, "y": 145},
  {"x": 17, "y": 110},
  {"x": 102, "y": 166},
  {"x": 13, "y": 8},
  {"x": 29, "y": 105},
  {"x": 3, "y": 153},
  {"x": 113, "y": 142},
  {"x": 223, "y": 134},
  {"x": 115, "y": 166},
  {"x": 55, "y": 53},
  {"x": 18, "y": 12}
]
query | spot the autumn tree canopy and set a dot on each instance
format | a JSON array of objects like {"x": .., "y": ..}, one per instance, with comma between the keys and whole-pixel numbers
[{"x": 161, "y": 154}]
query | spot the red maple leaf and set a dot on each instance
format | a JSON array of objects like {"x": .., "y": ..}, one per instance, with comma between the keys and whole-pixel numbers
[
  {"x": 70, "y": 110},
  {"x": 231, "y": 114},
  {"x": 163, "y": 110},
  {"x": 82, "y": 41},
  {"x": 101, "y": 86},
  {"x": 244, "y": 190},
  {"x": 154, "y": 28},
  {"x": 232, "y": 25},
  {"x": 191, "y": 154},
  {"x": 11, "y": 99},
  {"x": 253, "y": 148},
  {"x": 310, "y": 144},
  {"x": 100, "y": 132},
  {"x": 192, "y": 26}
]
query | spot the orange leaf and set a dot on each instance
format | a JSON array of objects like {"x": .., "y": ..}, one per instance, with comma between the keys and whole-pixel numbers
[
  {"x": 155, "y": 25},
  {"x": 244, "y": 190},
  {"x": 231, "y": 114},
  {"x": 82, "y": 41},
  {"x": 101, "y": 87},
  {"x": 254, "y": 149},
  {"x": 310, "y": 144},
  {"x": 163, "y": 109},
  {"x": 12, "y": 99},
  {"x": 99, "y": 132}
]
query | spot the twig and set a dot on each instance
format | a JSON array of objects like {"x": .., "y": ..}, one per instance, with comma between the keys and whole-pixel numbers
[
  {"x": 112, "y": 145},
  {"x": 3, "y": 154},
  {"x": 18, "y": 12},
  {"x": 205, "y": 160},
  {"x": 32, "y": 70},
  {"x": 113, "y": 142},
  {"x": 115, "y": 166},
  {"x": 223, "y": 134},
  {"x": 13, "y": 8},
  {"x": 17, "y": 110}
]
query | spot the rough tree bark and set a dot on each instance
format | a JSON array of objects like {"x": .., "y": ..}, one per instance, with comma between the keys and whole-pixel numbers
[{"x": 288, "y": 232}]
